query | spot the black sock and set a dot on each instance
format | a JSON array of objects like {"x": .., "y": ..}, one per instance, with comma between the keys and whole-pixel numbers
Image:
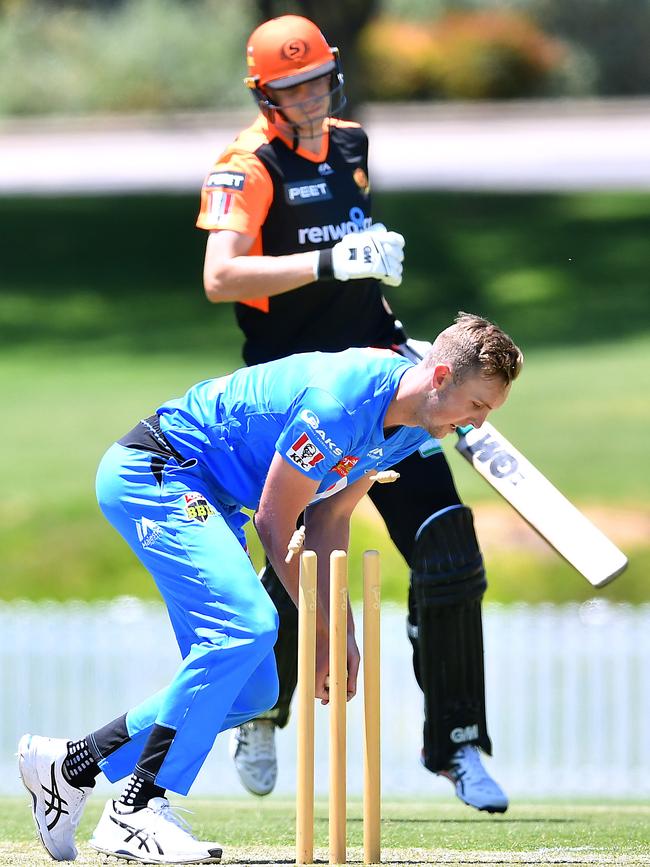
[
  {"x": 141, "y": 787},
  {"x": 79, "y": 766},
  {"x": 104, "y": 741},
  {"x": 138, "y": 792}
]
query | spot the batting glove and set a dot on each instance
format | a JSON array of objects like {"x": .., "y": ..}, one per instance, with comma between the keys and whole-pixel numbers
[{"x": 372, "y": 253}]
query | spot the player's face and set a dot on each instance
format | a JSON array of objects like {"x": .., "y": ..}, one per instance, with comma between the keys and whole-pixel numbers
[
  {"x": 305, "y": 103},
  {"x": 450, "y": 405}
]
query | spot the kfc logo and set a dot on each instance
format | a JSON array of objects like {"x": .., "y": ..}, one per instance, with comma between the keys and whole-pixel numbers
[{"x": 304, "y": 453}]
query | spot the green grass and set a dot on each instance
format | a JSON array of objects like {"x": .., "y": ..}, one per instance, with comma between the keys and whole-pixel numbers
[
  {"x": 554, "y": 270},
  {"x": 413, "y": 832},
  {"x": 102, "y": 316}
]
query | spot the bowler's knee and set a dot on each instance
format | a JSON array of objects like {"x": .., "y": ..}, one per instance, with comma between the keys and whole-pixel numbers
[
  {"x": 263, "y": 625},
  {"x": 266, "y": 696}
]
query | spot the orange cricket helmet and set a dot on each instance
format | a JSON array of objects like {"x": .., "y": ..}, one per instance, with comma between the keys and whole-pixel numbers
[{"x": 286, "y": 51}]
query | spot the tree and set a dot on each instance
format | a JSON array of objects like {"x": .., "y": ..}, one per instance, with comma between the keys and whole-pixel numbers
[{"x": 616, "y": 33}]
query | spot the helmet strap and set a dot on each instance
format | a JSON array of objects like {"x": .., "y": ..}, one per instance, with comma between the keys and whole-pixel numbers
[{"x": 275, "y": 116}]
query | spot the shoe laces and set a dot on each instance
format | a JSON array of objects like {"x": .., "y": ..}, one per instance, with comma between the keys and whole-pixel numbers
[
  {"x": 467, "y": 771},
  {"x": 258, "y": 738},
  {"x": 164, "y": 809},
  {"x": 466, "y": 762}
]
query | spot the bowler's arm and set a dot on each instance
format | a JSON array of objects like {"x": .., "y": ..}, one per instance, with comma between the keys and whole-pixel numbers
[
  {"x": 327, "y": 529},
  {"x": 286, "y": 494}
]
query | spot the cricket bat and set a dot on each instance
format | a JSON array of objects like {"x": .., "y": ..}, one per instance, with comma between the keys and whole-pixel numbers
[{"x": 547, "y": 511}]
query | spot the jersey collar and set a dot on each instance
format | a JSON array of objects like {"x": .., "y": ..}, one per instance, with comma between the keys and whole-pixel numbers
[{"x": 303, "y": 152}]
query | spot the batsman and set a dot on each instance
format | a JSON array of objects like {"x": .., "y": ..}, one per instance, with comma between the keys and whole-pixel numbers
[{"x": 293, "y": 244}]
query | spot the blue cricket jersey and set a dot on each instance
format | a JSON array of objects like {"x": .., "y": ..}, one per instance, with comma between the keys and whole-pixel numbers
[{"x": 322, "y": 412}]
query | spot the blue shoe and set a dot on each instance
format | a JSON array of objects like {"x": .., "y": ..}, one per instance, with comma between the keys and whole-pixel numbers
[{"x": 474, "y": 786}]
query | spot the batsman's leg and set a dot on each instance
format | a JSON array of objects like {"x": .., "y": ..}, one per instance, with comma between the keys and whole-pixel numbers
[
  {"x": 252, "y": 744},
  {"x": 445, "y": 627},
  {"x": 447, "y": 584}
]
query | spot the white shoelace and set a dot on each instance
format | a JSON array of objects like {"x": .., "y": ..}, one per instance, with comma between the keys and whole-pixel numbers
[
  {"x": 171, "y": 814},
  {"x": 468, "y": 767}
]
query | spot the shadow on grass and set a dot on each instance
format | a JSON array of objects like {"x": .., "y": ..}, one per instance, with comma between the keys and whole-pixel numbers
[
  {"x": 552, "y": 269},
  {"x": 124, "y": 273}
]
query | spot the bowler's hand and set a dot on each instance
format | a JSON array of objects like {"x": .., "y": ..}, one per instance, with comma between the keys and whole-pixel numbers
[
  {"x": 353, "y": 666},
  {"x": 322, "y": 669}
]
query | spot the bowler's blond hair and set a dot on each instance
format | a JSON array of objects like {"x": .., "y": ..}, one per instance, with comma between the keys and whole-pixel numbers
[{"x": 476, "y": 345}]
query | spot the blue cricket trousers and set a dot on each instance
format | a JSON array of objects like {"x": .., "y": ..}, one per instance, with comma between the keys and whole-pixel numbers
[{"x": 224, "y": 621}]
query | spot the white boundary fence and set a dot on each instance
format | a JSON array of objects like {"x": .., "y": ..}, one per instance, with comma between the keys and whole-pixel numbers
[{"x": 568, "y": 695}]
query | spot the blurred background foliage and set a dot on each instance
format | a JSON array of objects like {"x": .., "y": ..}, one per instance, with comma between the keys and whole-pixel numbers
[
  {"x": 470, "y": 55},
  {"x": 137, "y": 56},
  {"x": 92, "y": 56}
]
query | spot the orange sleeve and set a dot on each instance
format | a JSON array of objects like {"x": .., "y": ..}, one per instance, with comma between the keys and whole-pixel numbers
[{"x": 236, "y": 195}]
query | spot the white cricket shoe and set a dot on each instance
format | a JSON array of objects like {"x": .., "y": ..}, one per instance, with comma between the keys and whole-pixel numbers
[
  {"x": 154, "y": 834},
  {"x": 252, "y": 747},
  {"x": 473, "y": 784},
  {"x": 56, "y": 804}
]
